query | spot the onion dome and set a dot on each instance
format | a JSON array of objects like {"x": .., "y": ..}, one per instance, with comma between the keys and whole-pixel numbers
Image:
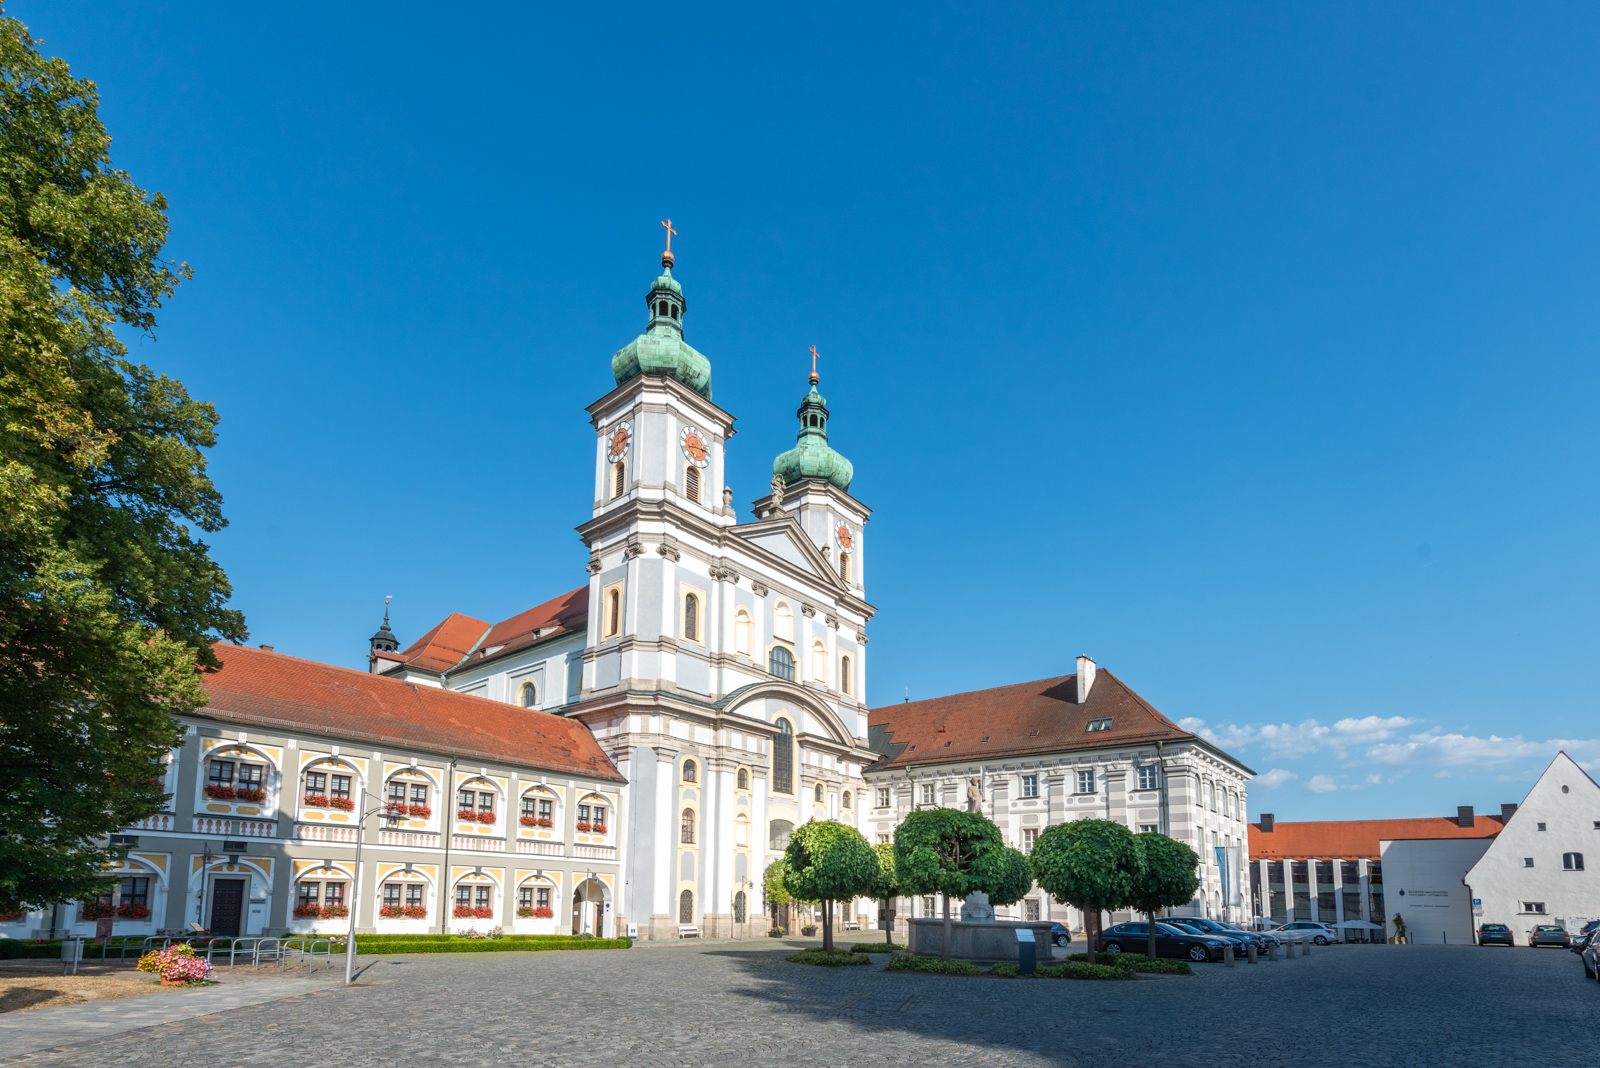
[
  {"x": 811, "y": 456},
  {"x": 661, "y": 350}
]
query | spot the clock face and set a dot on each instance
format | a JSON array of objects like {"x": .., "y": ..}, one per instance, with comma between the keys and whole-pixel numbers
[
  {"x": 845, "y": 541},
  {"x": 619, "y": 442},
  {"x": 694, "y": 446}
]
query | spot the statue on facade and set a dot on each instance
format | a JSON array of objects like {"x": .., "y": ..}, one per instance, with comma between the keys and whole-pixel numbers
[
  {"x": 974, "y": 794},
  {"x": 777, "y": 493}
]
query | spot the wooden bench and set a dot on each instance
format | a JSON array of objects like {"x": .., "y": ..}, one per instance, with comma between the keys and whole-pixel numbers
[{"x": 688, "y": 930}]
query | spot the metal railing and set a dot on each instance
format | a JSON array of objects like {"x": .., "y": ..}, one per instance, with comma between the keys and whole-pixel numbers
[{"x": 286, "y": 950}]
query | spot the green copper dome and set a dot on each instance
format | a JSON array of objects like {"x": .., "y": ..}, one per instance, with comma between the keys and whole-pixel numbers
[
  {"x": 811, "y": 456},
  {"x": 661, "y": 350}
]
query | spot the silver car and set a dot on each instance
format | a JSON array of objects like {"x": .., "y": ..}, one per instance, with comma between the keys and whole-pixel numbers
[
  {"x": 1591, "y": 959},
  {"x": 1306, "y": 931}
]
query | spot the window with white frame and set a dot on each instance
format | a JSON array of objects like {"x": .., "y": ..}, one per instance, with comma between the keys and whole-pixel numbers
[
  {"x": 883, "y": 797},
  {"x": 1534, "y": 907},
  {"x": 1572, "y": 861},
  {"x": 475, "y": 805},
  {"x": 783, "y": 622},
  {"x": 1147, "y": 828},
  {"x": 883, "y": 839},
  {"x": 1030, "y": 835},
  {"x": 1147, "y": 777},
  {"x": 1099, "y": 725},
  {"x": 927, "y": 793},
  {"x": 1086, "y": 781},
  {"x": 1030, "y": 786},
  {"x": 1030, "y": 910},
  {"x": 819, "y": 662},
  {"x": 743, "y": 633}
]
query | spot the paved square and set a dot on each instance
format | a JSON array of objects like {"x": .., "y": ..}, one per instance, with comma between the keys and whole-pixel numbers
[{"x": 742, "y": 1004}]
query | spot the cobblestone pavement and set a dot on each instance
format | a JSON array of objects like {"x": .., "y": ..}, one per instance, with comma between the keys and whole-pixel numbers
[{"x": 738, "y": 1004}]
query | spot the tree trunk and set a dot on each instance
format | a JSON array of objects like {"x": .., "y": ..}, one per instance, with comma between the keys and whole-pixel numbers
[
  {"x": 827, "y": 926},
  {"x": 949, "y": 931},
  {"x": 1151, "y": 953},
  {"x": 1089, "y": 925},
  {"x": 888, "y": 932}
]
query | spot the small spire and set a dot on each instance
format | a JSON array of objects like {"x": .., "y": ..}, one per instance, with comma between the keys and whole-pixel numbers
[
  {"x": 666, "y": 257},
  {"x": 814, "y": 378}
]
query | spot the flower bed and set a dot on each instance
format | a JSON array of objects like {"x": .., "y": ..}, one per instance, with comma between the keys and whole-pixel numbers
[
  {"x": 825, "y": 960},
  {"x": 877, "y": 947},
  {"x": 473, "y": 912},
  {"x": 94, "y": 910},
  {"x": 177, "y": 965},
  {"x": 1136, "y": 962},
  {"x": 537, "y": 912},
  {"x": 133, "y": 911}
]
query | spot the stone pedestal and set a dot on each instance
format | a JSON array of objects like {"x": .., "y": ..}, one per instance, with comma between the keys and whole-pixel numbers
[
  {"x": 976, "y": 909},
  {"x": 992, "y": 941}
]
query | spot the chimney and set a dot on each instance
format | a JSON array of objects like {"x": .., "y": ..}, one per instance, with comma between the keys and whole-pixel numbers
[
  {"x": 1085, "y": 678},
  {"x": 1266, "y": 823},
  {"x": 1506, "y": 812},
  {"x": 266, "y": 648},
  {"x": 1464, "y": 816}
]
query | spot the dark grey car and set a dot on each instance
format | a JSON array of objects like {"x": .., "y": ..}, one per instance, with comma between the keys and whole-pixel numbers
[{"x": 1548, "y": 934}]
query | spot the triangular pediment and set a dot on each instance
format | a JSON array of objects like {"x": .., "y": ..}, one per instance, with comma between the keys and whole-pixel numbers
[{"x": 783, "y": 537}]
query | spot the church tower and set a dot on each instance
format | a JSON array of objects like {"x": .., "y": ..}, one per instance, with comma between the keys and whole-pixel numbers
[{"x": 724, "y": 665}]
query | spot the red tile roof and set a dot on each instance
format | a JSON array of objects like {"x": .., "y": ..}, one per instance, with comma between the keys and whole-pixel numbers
[
  {"x": 1357, "y": 838},
  {"x": 1018, "y": 720},
  {"x": 265, "y": 689},
  {"x": 446, "y": 645},
  {"x": 457, "y": 636}
]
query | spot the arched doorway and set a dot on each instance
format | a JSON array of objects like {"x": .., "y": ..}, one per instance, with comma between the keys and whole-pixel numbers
[
  {"x": 686, "y": 907},
  {"x": 589, "y": 908}
]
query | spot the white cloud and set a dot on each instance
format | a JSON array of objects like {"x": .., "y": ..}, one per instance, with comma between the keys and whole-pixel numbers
[
  {"x": 1299, "y": 739},
  {"x": 1375, "y": 780},
  {"x": 1273, "y": 779},
  {"x": 1435, "y": 747},
  {"x": 1322, "y": 784}
]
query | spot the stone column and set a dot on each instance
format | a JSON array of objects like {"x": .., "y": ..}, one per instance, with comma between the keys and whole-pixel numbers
[
  {"x": 1338, "y": 890},
  {"x": 1365, "y": 873},
  {"x": 663, "y": 909}
]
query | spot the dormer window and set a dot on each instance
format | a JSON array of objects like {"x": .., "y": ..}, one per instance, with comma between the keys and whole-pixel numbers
[{"x": 1099, "y": 724}]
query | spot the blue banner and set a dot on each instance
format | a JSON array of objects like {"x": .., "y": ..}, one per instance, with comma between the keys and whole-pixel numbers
[{"x": 1222, "y": 866}]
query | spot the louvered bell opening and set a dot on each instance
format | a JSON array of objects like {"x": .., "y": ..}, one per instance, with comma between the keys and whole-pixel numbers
[
  {"x": 691, "y": 483},
  {"x": 619, "y": 481}
]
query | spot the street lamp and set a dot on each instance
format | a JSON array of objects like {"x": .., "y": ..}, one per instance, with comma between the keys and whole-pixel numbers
[{"x": 355, "y": 891}]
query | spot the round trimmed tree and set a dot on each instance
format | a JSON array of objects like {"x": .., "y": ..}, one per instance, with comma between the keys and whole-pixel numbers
[
  {"x": 942, "y": 851},
  {"x": 829, "y": 861},
  {"x": 1165, "y": 880},
  {"x": 887, "y": 886},
  {"x": 1090, "y": 864},
  {"x": 776, "y": 894},
  {"x": 1011, "y": 876}
]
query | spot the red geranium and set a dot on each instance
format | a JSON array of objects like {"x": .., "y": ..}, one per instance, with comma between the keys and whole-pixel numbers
[
  {"x": 94, "y": 910},
  {"x": 133, "y": 911},
  {"x": 250, "y": 793},
  {"x": 221, "y": 793},
  {"x": 597, "y": 828},
  {"x": 317, "y": 800},
  {"x": 530, "y": 821},
  {"x": 420, "y": 810},
  {"x": 415, "y": 912},
  {"x": 583, "y": 826},
  {"x": 11, "y": 917},
  {"x": 308, "y": 912},
  {"x": 342, "y": 802},
  {"x": 474, "y": 912},
  {"x": 391, "y": 912}
]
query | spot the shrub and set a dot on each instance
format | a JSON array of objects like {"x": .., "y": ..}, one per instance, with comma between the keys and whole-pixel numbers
[
  {"x": 826, "y": 960},
  {"x": 932, "y": 964},
  {"x": 876, "y": 947},
  {"x": 1076, "y": 970},
  {"x": 176, "y": 964}
]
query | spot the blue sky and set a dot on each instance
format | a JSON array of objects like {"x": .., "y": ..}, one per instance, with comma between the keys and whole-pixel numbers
[{"x": 1247, "y": 348}]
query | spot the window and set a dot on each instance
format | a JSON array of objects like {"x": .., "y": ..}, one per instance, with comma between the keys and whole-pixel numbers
[
  {"x": 744, "y": 779},
  {"x": 221, "y": 773},
  {"x": 250, "y": 776},
  {"x": 883, "y": 797},
  {"x": 619, "y": 480},
  {"x": 1030, "y": 835},
  {"x": 783, "y": 622},
  {"x": 1030, "y": 910},
  {"x": 778, "y": 833},
  {"x": 341, "y": 786},
  {"x": 613, "y": 610},
  {"x": 844, "y": 566},
  {"x": 883, "y": 839},
  {"x": 845, "y": 800},
  {"x": 686, "y": 827},
  {"x": 1541, "y": 826},
  {"x": 1086, "y": 781},
  {"x": 742, "y": 632},
  {"x": 691, "y": 483},
  {"x": 528, "y": 696},
  {"x": 1030, "y": 786},
  {"x": 464, "y": 896},
  {"x": 691, "y": 617},
  {"x": 1527, "y": 862},
  {"x": 819, "y": 793},
  {"x": 1148, "y": 828},
  {"x": 846, "y": 683},
  {"x": 1535, "y": 907},
  {"x": 689, "y": 771},
  {"x": 316, "y": 782},
  {"x": 780, "y": 662},
  {"x": 1147, "y": 777},
  {"x": 686, "y": 907},
  {"x": 927, "y": 793},
  {"x": 310, "y": 894},
  {"x": 1099, "y": 724},
  {"x": 136, "y": 890},
  {"x": 819, "y": 663},
  {"x": 783, "y": 758},
  {"x": 1572, "y": 861},
  {"x": 927, "y": 906},
  {"x": 419, "y": 794}
]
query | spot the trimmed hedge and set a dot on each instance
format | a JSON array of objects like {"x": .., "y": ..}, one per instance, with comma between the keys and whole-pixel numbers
[
  {"x": 933, "y": 965},
  {"x": 1138, "y": 962},
  {"x": 826, "y": 960},
  {"x": 877, "y": 947}
]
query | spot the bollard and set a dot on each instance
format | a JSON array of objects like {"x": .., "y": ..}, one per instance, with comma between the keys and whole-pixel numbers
[
  {"x": 1272, "y": 951},
  {"x": 1305, "y": 948},
  {"x": 1250, "y": 953},
  {"x": 1227, "y": 955},
  {"x": 1288, "y": 950}
]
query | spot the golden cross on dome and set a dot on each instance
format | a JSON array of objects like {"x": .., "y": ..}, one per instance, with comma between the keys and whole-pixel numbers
[
  {"x": 813, "y": 365},
  {"x": 666, "y": 257}
]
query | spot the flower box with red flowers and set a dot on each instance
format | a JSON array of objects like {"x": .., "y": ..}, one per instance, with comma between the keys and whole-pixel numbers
[
  {"x": 132, "y": 910},
  {"x": 95, "y": 910},
  {"x": 583, "y": 826},
  {"x": 415, "y": 912},
  {"x": 395, "y": 808},
  {"x": 419, "y": 810},
  {"x": 316, "y": 800},
  {"x": 534, "y": 821},
  {"x": 473, "y": 912},
  {"x": 341, "y": 802},
  {"x": 11, "y": 917},
  {"x": 467, "y": 815},
  {"x": 537, "y": 912},
  {"x": 597, "y": 828},
  {"x": 387, "y": 912},
  {"x": 308, "y": 912},
  {"x": 221, "y": 793},
  {"x": 250, "y": 793}
]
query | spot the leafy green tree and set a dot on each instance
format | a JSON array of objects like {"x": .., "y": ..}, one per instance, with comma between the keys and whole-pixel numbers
[
  {"x": 777, "y": 895},
  {"x": 1090, "y": 864},
  {"x": 943, "y": 851},
  {"x": 1166, "y": 878},
  {"x": 887, "y": 885},
  {"x": 109, "y": 603},
  {"x": 1013, "y": 877},
  {"x": 829, "y": 861}
]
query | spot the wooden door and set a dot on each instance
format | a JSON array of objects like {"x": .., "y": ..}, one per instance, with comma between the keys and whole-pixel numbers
[{"x": 227, "y": 903}]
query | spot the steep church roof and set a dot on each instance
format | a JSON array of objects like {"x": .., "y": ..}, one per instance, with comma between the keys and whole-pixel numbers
[
  {"x": 812, "y": 456},
  {"x": 457, "y": 638},
  {"x": 286, "y": 693},
  {"x": 1018, "y": 720}
]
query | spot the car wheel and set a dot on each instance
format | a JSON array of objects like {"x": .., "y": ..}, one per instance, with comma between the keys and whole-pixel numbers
[
  {"x": 1320, "y": 940},
  {"x": 1063, "y": 940},
  {"x": 1112, "y": 947},
  {"x": 1198, "y": 953}
]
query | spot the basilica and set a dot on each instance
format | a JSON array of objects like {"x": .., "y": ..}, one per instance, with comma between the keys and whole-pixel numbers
[{"x": 628, "y": 756}]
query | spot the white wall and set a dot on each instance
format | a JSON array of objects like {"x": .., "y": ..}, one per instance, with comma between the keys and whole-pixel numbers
[{"x": 1422, "y": 882}]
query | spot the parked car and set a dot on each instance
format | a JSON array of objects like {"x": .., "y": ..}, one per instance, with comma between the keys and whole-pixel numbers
[
  {"x": 1170, "y": 942},
  {"x": 1591, "y": 959},
  {"x": 1306, "y": 931},
  {"x": 1060, "y": 935},
  {"x": 1495, "y": 934},
  {"x": 1548, "y": 934},
  {"x": 1240, "y": 939},
  {"x": 1580, "y": 942},
  {"x": 1264, "y": 938}
]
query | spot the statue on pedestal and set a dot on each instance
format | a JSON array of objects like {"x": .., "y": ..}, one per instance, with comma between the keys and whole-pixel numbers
[{"x": 976, "y": 908}]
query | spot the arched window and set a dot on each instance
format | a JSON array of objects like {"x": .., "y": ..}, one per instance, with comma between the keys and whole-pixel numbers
[
  {"x": 691, "y": 617},
  {"x": 783, "y": 622},
  {"x": 742, "y": 632},
  {"x": 780, "y": 662},
  {"x": 661, "y": 307},
  {"x": 619, "y": 480},
  {"x": 778, "y": 834},
  {"x": 744, "y": 779},
  {"x": 783, "y": 758},
  {"x": 819, "y": 662},
  {"x": 686, "y": 907},
  {"x": 528, "y": 696},
  {"x": 614, "y": 614},
  {"x": 674, "y": 311},
  {"x": 846, "y": 683},
  {"x": 691, "y": 483},
  {"x": 686, "y": 827},
  {"x": 844, "y": 566},
  {"x": 688, "y": 771},
  {"x": 846, "y": 799},
  {"x": 819, "y": 793},
  {"x": 738, "y": 907}
]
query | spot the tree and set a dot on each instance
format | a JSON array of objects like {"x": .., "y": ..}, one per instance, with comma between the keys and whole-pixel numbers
[
  {"x": 829, "y": 861},
  {"x": 1013, "y": 877},
  {"x": 1166, "y": 878},
  {"x": 887, "y": 885},
  {"x": 777, "y": 895},
  {"x": 1090, "y": 864},
  {"x": 942, "y": 851},
  {"x": 109, "y": 603}
]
